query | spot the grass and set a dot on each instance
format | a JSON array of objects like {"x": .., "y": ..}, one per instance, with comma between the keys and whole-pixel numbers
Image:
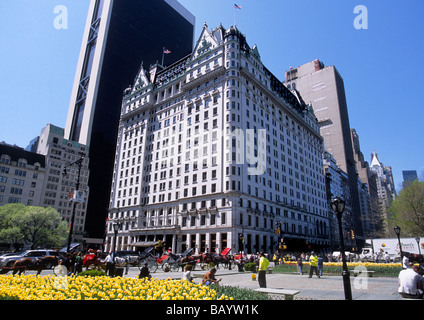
[
  {"x": 239, "y": 293},
  {"x": 381, "y": 269}
]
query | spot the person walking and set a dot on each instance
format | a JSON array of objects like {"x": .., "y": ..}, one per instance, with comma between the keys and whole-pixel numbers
[
  {"x": 300, "y": 265},
  {"x": 263, "y": 266},
  {"x": 313, "y": 260},
  {"x": 320, "y": 264},
  {"x": 110, "y": 266}
]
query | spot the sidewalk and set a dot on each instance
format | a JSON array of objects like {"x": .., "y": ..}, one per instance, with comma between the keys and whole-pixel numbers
[{"x": 328, "y": 287}]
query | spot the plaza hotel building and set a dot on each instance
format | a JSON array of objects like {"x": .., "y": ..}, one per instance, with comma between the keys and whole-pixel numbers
[{"x": 214, "y": 151}]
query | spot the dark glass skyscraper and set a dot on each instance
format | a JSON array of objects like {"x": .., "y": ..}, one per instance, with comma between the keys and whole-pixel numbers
[{"x": 119, "y": 36}]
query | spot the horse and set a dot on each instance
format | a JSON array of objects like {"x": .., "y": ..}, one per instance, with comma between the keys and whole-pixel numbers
[{"x": 37, "y": 264}]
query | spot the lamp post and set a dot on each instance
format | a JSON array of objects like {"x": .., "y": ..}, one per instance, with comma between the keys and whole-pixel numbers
[
  {"x": 116, "y": 227},
  {"x": 418, "y": 243},
  {"x": 338, "y": 206},
  {"x": 397, "y": 231},
  {"x": 74, "y": 205}
]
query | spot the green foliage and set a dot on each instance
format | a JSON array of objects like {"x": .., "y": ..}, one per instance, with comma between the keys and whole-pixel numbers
[
  {"x": 250, "y": 266},
  {"x": 239, "y": 293},
  {"x": 381, "y": 269},
  {"x": 92, "y": 273},
  {"x": 35, "y": 226},
  {"x": 407, "y": 210}
]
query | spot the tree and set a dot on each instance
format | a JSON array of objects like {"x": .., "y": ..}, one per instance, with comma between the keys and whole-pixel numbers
[
  {"x": 35, "y": 226},
  {"x": 407, "y": 210},
  {"x": 9, "y": 218}
]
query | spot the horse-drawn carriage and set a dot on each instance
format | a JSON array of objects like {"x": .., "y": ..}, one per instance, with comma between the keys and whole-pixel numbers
[
  {"x": 146, "y": 257},
  {"x": 94, "y": 260},
  {"x": 173, "y": 262},
  {"x": 34, "y": 264}
]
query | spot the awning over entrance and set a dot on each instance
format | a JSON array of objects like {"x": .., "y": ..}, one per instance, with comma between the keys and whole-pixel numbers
[{"x": 144, "y": 244}]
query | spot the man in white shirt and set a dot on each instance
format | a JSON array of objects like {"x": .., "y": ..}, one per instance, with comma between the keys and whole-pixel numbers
[
  {"x": 109, "y": 264},
  {"x": 410, "y": 283}
]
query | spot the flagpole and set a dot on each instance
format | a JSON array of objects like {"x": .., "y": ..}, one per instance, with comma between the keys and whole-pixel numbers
[{"x": 163, "y": 55}]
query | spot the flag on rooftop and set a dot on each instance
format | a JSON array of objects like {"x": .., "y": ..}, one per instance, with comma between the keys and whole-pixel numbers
[{"x": 166, "y": 51}]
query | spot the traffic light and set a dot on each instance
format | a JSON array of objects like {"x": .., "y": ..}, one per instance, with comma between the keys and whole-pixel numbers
[{"x": 241, "y": 238}]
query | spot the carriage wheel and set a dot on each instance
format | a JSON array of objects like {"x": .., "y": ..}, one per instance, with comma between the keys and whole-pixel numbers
[
  {"x": 166, "y": 267},
  {"x": 152, "y": 264}
]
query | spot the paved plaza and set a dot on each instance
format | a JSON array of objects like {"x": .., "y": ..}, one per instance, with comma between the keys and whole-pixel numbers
[{"x": 328, "y": 287}]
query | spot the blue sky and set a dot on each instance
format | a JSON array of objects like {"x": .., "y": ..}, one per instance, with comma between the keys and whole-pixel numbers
[{"x": 382, "y": 66}]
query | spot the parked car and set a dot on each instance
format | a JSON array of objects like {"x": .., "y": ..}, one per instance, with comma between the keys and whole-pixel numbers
[{"x": 8, "y": 261}]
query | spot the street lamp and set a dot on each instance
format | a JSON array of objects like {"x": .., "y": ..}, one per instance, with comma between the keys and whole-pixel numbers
[
  {"x": 397, "y": 231},
  {"x": 338, "y": 206},
  {"x": 418, "y": 243},
  {"x": 116, "y": 228},
  {"x": 71, "y": 226}
]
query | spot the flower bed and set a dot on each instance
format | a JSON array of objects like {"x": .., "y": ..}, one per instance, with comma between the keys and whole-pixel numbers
[
  {"x": 381, "y": 269},
  {"x": 31, "y": 287}
]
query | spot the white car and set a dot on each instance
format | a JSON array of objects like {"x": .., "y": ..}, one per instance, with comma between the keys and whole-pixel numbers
[{"x": 8, "y": 261}]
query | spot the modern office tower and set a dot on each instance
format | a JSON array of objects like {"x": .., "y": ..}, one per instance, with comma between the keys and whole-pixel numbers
[
  {"x": 21, "y": 176},
  {"x": 119, "y": 36},
  {"x": 323, "y": 88},
  {"x": 409, "y": 176},
  {"x": 215, "y": 152},
  {"x": 61, "y": 177},
  {"x": 32, "y": 146}
]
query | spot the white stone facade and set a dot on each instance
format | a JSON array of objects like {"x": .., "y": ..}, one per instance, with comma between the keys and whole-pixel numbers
[{"x": 211, "y": 149}]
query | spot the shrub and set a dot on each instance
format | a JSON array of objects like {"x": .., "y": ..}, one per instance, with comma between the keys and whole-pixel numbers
[
  {"x": 251, "y": 266},
  {"x": 92, "y": 273},
  {"x": 238, "y": 293}
]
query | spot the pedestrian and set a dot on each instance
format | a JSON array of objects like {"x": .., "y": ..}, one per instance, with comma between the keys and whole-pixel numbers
[
  {"x": 187, "y": 273},
  {"x": 313, "y": 260},
  {"x": 300, "y": 266},
  {"x": 387, "y": 257},
  {"x": 78, "y": 262},
  {"x": 73, "y": 262},
  {"x": 410, "y": 283},
  {"x": 320, "y": 264},
  {"x": 144, "y": 272},
  {"x": 276, "y": 258},
  {"x": 127, "y": 264},
  {"x": 66, "y": 262},
  {"x": 263, "y": 266},
  {"x": 405, "y": 262},
  {"x": 110, "y": 267},
  {"x": 209, "y": 278}
]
